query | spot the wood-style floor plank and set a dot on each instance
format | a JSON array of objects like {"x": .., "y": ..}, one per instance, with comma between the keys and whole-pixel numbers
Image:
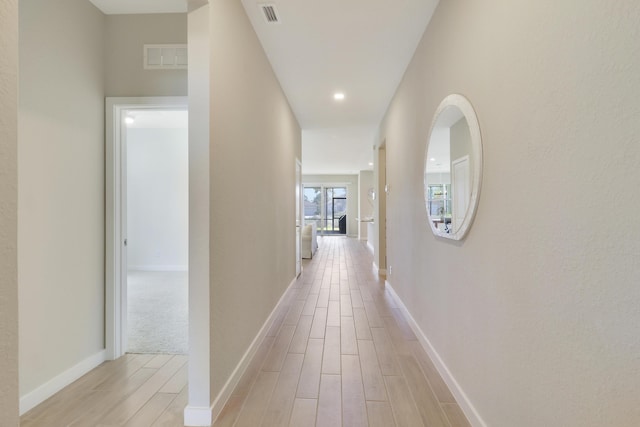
[
  {"x": 354, "y": 408},
  {"x": 404, "y": 407},
  {"x": 127, "y": 408},
  {"x": 430, "y": 410},
  {"x": 380, "y": 414},
  {"x": 303, "y": 413},
  {"x": 151, "y": 410},
  {"x": 374, "y": 388},
  {"x": 363, "y": 332},
  {"x": 309, "y": 383},
  {"x": 330, "y": 402},
  {"x": 348, "y": 342},
  {"x": 331, "y": 355},
  {"x": 257, "y": 400},
  {"x": 278, "y": 412},
  {"x": 278, "y": 352},
  {"x": 301, "y": 335},
  {"x": 333, "y": 315},
  {"x": 385, "y": 351},
  {"x": 455, "y": 415},
  {"x": 174, "y": 414}
]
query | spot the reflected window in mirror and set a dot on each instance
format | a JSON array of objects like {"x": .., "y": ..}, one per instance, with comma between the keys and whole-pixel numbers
[{"x": 453, "y": 166}]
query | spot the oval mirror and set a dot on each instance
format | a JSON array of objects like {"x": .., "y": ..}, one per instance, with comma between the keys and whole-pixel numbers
[{"x": 453, "y": 168}]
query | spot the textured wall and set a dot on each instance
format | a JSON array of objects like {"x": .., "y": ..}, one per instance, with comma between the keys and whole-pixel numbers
[
  {"x": 61, "y": 188},
  {"x": 535, "y": 314},
  {"x": 255, "y": 140},
  {"x": 125, "y": 37},
  {"x": 9, "y": 213}
]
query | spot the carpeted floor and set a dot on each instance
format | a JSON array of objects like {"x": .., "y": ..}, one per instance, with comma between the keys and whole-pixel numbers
[{"x": 158, "y": 312}]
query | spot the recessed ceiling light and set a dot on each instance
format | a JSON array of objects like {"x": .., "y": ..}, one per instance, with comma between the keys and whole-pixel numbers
[
  {"x": 370, "y": 163},
  {"x": 432, "y": 159},
  {"x": 129, "y": 120},
  {"x": 339, "y": 96}
]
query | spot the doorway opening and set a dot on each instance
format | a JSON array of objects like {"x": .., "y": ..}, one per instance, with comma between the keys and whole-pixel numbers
[
  {"x": 147, "y": 226},
  {"x": 157, "y": 230},
  {"x": 326, "y": 206}
]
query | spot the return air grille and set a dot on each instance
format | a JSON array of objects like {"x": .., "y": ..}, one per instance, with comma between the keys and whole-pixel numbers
[
  {"x": 270, "y": 13},
  {"x": 165, "y": 57}
]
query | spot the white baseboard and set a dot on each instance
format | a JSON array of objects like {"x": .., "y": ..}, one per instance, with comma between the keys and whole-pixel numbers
[
  {"x": 370, "y": 246},
  {"x": 463, "y": 400},
  {"x": 159, "y": 267},
  {"x": 57, "y": 383},
  {"x": 379, "y": 271},
  {"x": 199, "y": 416}
]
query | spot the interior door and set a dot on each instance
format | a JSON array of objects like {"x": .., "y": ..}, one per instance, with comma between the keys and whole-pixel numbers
[
  {"x": 298, "y": 217},
  {"x": 461, "y": 190}
]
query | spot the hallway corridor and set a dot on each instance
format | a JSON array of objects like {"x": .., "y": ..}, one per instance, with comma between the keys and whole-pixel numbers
[{"x": 341, "y": 355}]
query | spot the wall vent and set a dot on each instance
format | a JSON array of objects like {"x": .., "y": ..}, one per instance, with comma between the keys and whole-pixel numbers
[
  {"x": 165, "y": 57},
  {"x": 270, "y": 13}
]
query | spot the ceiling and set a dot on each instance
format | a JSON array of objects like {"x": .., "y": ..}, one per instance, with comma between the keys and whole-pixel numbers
[
  {"x": 157, "y": 119},
  {"x": 358, "y": 47},
  {"x": 127, "y": 7}
]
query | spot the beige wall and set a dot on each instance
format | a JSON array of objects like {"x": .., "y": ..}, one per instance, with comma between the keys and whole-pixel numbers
[
  {"x": 8, "y": 213},
  {"x": 124, "y": 39},
  {"x": 255, "y": 140},
  {"x": 61, "y": 188},
  {"x": 535, "y": 314}
]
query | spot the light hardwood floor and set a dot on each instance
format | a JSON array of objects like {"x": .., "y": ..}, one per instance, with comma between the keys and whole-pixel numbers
[{"x": 339, "y": 353}]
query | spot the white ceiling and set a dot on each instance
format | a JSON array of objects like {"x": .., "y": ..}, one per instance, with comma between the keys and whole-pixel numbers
[
  {"x": 127, "y": 7},
  {"x": 358, "y": 47},
  {"x": 158, "y": 119}
]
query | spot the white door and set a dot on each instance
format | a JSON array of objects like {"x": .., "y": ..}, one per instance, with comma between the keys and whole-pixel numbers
[
  {"x": 461, "y": 190},
  {"x": 298, "y": 217}
]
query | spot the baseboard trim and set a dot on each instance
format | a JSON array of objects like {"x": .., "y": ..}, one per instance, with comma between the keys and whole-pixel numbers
[
  {"x": 379, "y": 271},
  {"x": 159, "y": 268},
  {"x": 57, "y": 383},
  {"x": 463, "y": 400},
  {"x": 232, "y": 382},
  {"x": 197, "y": 416}
]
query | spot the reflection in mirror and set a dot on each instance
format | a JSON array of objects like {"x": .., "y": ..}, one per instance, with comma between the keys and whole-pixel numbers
[{"x": 453, "y": 168}]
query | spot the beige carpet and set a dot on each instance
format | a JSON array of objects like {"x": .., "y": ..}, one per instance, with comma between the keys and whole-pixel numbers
[{"x": 158, "y": 312}]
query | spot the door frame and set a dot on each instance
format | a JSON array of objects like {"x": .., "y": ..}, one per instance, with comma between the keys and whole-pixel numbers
[
  {"x": 323, "y": 207},
  {"x": 299, "y": 216},
  {"x": 115, "y": 212}
]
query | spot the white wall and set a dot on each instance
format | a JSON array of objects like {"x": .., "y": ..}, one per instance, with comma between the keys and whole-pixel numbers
[
  {"x": 60, "y": 188},
  {"x": 535, "y": 313},
  {"x": 255, "y": 141},
  {"x": 9, "y": 214},
  {"x": 125, "y": 36},
  {"x": 352, "y": 195},
  {"x": 157, "y": 199}
]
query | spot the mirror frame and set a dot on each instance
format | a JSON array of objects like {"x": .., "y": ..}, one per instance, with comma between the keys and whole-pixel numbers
[{"x": 463, "y": 104}]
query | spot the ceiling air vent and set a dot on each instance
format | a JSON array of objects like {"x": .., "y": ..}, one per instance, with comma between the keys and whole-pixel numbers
[{"x": 270, "y": 13}]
